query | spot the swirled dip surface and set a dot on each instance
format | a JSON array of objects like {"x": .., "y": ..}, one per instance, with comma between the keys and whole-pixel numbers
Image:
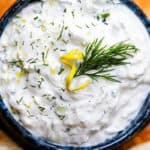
[{"x": 38, "y": 36}]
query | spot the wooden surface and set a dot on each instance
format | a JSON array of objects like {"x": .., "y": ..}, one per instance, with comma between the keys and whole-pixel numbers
[
  {"x": 144, "y": 136},
  {"x": 4, "y": 5},
  {"x": 145, "y": 5}
]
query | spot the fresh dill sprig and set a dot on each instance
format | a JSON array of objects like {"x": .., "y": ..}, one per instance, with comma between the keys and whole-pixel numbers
[{"x": 100, "y": 59}]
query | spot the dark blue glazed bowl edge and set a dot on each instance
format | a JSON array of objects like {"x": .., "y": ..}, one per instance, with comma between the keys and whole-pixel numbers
[{"x": 28, "y": 141}]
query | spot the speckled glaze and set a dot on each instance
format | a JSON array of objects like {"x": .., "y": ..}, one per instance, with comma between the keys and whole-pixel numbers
[{"x": 28, "y": 141}]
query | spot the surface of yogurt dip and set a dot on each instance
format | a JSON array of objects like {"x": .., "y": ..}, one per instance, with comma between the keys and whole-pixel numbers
[{"x": 37, "y": 37}]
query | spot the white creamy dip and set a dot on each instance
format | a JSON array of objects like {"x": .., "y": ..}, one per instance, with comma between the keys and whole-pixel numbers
[{"x": 38, "y": 36}]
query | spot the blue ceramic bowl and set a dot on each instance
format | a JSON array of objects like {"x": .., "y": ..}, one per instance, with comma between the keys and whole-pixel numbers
[{"x": 29, "y": 141}]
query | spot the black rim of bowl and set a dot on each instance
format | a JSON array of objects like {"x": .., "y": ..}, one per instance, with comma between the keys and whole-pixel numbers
[{"x": 24, "y": 138}]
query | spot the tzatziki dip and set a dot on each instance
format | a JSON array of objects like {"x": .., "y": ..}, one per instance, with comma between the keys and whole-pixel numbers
[{"x": 75, "y": 72}]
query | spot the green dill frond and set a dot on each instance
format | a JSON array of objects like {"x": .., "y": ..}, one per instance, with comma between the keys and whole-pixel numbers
[{"x": 100, "y": 59}]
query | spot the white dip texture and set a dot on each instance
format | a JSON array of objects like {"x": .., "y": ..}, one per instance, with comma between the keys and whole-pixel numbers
[{"x": 36, "y": 39}]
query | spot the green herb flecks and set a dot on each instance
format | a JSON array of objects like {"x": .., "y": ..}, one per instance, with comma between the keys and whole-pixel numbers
[
  {"x": 61, "y": 71},
  {"x": 60, "y": 112},
  {"x": 73, "y": 13},
  {"x": 32, "y": 60},
  {"x": 103, "y": 16},
  {"x": 14, "y": 110},
  {"x": 18, "y": 17},
  {"x": 41, "y": 108},
  {"x": 44, "y": 56},
  {"x": 61, "y": 32},
  {"x": 65, "y": 10},
  {"x": 19, "y": 100},
  {"x": 18, "y": 63},
  {"x": 40, "y": 82},
  {"x": 35, "y": 18},
  {"x": 100, "y": 59},
  {"x": 60, "y": 109}
]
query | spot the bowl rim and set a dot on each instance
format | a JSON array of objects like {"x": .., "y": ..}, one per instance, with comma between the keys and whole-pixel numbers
[{"x": 24, "y": 138}]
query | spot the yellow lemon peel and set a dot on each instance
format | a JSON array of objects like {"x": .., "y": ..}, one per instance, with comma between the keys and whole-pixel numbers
[
  {"x": 52, "y": 2},
  {"x": 52, "y": 71},
  {"x": 24, "y": 20},
  {"x": 28, "y": 104},
  {"x": 69, "y": 59},
  {"x": 20, "y": 74}
]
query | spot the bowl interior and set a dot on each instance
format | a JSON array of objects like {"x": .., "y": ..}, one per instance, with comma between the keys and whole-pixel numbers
[{"x": 26, "y": 139}]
